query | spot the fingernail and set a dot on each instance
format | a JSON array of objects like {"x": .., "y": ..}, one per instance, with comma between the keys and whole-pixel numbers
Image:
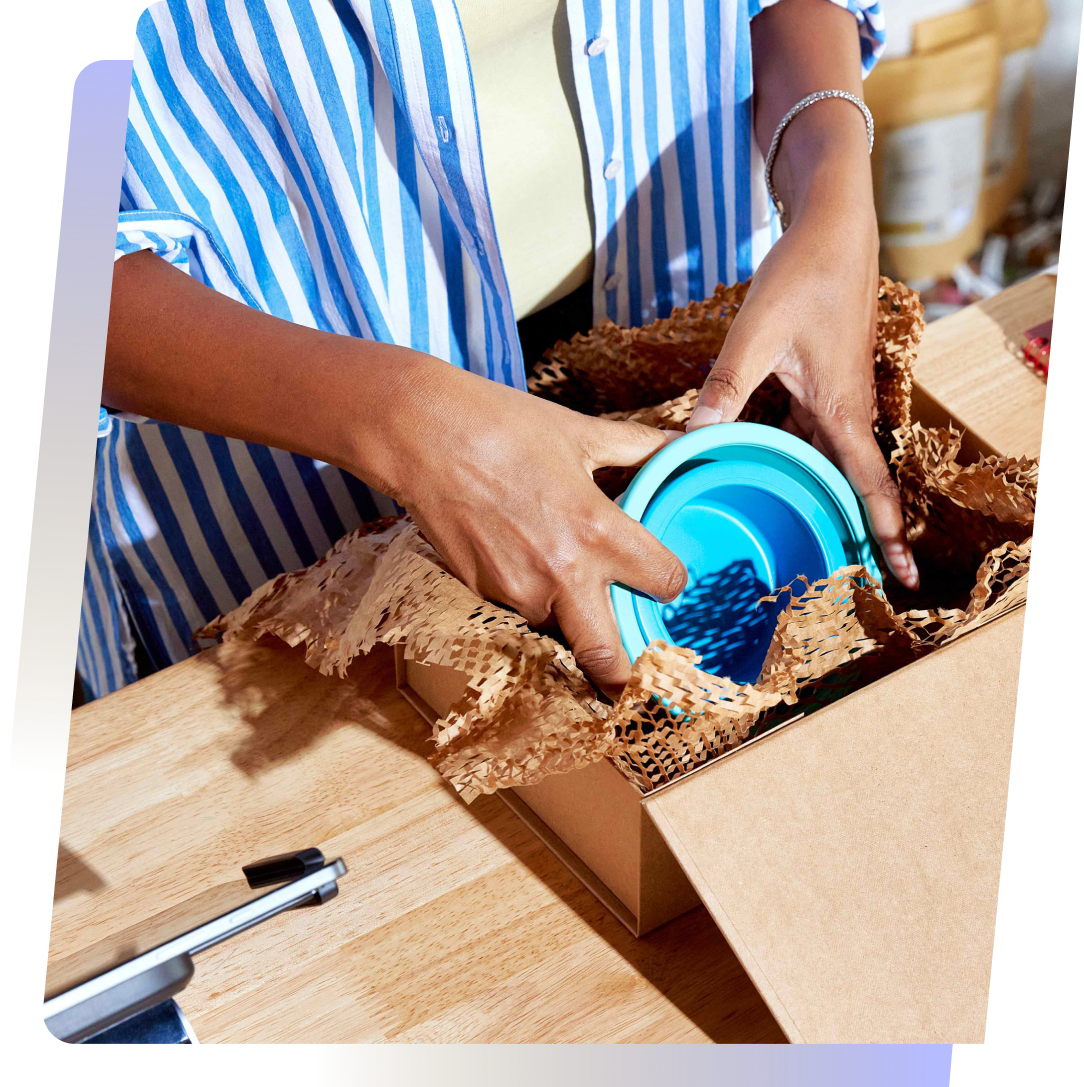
[
  {"x": 912, "y": 572},
  {"x": 906, "y": 570},
  {"x": 703, "y": 416},
  {"x": 902, "y": 562}
]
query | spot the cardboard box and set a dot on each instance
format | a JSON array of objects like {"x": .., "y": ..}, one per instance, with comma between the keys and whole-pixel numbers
[
  {"x": 851, "y": 857},
  {"x": 594, "y": 819}
]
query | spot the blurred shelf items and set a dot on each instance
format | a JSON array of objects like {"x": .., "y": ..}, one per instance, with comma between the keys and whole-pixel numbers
[
  {"x": 1024, "y": 242},
  {"x": 969, "y": 190}
]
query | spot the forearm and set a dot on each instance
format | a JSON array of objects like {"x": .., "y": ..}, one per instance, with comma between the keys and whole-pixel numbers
[
  {"x": 810, "y": 314},
  {"x": 183, "y": 353},
  {"x": 802, "y": 46},
  {"x": 499, "y": 481}
]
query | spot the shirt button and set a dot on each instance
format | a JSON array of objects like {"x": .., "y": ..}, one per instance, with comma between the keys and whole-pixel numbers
[
  {"x": 611, "y": 283},
  {"x": 612, "y": 167},
  {"x": 596, "y": 46}
]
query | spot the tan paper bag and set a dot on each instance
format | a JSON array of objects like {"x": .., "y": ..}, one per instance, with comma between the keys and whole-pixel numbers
[{"x": 933, "y": 111}]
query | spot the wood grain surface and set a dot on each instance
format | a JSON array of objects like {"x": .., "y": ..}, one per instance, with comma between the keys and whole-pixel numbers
[
  {"x": 972, "y": 361},
  {"x": 453, "y": 923}
]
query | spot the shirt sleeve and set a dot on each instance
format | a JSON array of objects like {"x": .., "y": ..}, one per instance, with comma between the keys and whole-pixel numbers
[
  {"x": 184, "y": 243},
  {"x": 181, "y": 241},
  {"x": 871, "y": 26}
]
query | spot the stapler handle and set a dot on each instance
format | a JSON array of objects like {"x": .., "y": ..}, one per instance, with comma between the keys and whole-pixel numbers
[{"x": 283, "y": 867}]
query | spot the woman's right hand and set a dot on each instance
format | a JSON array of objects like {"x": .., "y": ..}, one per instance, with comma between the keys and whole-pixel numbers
[
  {"x": 501, "y": 484},
  {"x": 498, "y": 480}
]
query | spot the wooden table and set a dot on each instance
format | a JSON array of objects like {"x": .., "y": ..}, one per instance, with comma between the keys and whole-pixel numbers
[
  {"x": 1005, "y": 407},
  {"x": 453, "y": 923}
]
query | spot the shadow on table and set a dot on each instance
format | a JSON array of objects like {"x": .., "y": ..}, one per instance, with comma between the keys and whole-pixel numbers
[
  {"x": 687, "y": 960},
  {"x": 73, "y": 874},
  {"x": 289, "y": 707}
]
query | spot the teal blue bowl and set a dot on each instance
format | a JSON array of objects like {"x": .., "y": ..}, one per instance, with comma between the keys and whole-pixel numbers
[{"x": 747, "y": 508}]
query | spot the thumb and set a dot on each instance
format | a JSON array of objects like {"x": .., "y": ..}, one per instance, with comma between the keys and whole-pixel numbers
[
  {"x": 613, "y": 443},
  {"x": 727, "y": 388}
]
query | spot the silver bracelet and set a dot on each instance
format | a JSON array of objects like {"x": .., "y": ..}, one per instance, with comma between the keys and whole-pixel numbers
[{"x": 816, "y": 96}]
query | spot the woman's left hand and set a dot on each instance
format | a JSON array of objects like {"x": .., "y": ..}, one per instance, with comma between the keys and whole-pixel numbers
[
  {"x": 810, "y": 318},
  {"x": 810, "y": 313}
]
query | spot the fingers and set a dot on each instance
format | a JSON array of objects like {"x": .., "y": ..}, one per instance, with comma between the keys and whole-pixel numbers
[
  {"x": 588, "y": 623},
  {"x": 645, "y": 564},
  {"x": 848, "y": 439},
  {"x": 733, "y": 378},
  {"x": 582, "y": 606},
  {"x": 614, "y": 443},
  {"x": 799, "y": 422}
]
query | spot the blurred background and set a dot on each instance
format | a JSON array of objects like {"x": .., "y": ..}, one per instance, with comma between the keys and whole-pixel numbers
[{"x": 973, "y": 103}]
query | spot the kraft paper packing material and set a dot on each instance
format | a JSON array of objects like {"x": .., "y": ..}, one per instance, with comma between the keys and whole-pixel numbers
[{"x": 528, "y": 711}]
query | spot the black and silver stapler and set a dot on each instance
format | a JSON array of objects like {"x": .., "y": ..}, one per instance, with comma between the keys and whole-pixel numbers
[{"x": 133, "y": 1002}]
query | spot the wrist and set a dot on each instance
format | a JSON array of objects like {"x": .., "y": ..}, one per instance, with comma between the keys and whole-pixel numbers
[
  {"x": 824, "y": 156},
  {"x": 385, "y": 414}
]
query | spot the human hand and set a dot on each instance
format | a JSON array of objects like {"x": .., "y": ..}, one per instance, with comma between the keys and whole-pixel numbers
[
  {"x": 501, "y": 484},
  {"x": 498, "y": 480},
  {"x": 810, "y": 318}
]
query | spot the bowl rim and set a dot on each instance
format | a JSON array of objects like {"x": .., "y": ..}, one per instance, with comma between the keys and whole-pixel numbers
[{"x": 655, "y": 472}]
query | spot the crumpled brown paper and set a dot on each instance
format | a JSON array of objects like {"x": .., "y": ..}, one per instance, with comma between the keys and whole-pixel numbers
[{"x": 528, "y": 711}]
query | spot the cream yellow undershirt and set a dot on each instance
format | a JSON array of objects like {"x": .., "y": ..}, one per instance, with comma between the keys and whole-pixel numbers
[{"x": 531, "y": 144}]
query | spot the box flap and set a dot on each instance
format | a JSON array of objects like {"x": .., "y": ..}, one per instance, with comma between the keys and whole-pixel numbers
[{"x": 852, "y": 859}]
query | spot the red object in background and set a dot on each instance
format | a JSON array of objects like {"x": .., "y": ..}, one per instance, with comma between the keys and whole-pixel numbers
[
  {"x": 947, "y": 291},
  {"x": 1037, "y": 348}
]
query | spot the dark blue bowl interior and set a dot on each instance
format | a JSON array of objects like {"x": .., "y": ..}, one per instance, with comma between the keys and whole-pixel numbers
[{"x": 738, "y": 543}]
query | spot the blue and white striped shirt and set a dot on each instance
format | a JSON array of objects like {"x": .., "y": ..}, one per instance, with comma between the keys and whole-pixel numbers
[{"x": 320, "y": 160}]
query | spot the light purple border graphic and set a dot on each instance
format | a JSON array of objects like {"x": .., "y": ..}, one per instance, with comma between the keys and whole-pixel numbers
[
  {"x": 653, "y": 1065},
  {"x": 73, "y": 384}
]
